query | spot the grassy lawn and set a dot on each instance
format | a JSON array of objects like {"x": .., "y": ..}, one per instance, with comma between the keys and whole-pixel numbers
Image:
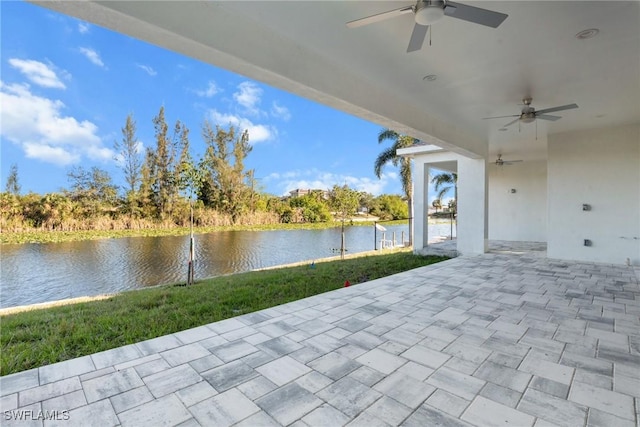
[{"x": 40, "y": 337}]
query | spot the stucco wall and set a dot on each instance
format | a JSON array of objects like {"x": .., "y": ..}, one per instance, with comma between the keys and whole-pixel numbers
[
  {"x": 601, "y": 168},
  {"x": 519, "y": 216}
]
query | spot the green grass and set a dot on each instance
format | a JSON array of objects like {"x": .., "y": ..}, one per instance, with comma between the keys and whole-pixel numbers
[
  {"x": 41, "y": 337},
  {"x": 70, "y": 236}
]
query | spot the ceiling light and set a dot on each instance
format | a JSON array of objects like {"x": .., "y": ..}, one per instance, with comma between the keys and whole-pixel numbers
[
  {"x": 429, "y": 14},
  {"x": 430, "y": 77},
  {"x": 587, "y": 34}
]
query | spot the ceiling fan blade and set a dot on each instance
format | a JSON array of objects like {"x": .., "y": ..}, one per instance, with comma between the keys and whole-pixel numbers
[
  {"x": 379, "y": 17},
  {"x": 417, "y": 37},
  {"x": 547, "y": 117},
  {"x": 512, "y": 122},
  {"x": 474, "y": 14},
  {"x": 562, "y": 108},
  {"x": 508, "y": 162},
  {"x": 501, "y": 117}
]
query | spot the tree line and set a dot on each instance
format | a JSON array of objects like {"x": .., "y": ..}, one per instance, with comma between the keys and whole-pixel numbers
[{"x": 164, "y": 182}]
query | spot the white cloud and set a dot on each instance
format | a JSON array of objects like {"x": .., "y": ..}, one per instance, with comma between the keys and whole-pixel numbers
[
  {"x": 249, "y": 96},
  {"x": 37, "y": 72},
  {"x": 257, "y": 133},
  {"x": 92, "y": 56},
  {"x": 210, "y": 91},
  {"x": 316, "y": 179},
  {"x": 147, "y": 69},
  {"x": 39, "y": 126},
  {"x": 280, "y": 111},
  {"x": 83, "y": 27}
]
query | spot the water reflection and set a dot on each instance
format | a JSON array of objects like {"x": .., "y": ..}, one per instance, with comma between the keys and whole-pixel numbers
[{"x": 32, "y": 273}]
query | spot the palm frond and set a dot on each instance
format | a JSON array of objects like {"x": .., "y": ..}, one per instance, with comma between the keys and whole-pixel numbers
[
  {"x": 387, "y": 156},
  {"x": 387, "y": 134}
]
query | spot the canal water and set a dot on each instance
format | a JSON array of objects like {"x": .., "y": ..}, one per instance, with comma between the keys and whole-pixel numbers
[{"x": 33, "y": 273}]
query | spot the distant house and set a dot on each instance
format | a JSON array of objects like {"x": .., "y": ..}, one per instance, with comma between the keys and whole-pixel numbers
[{"x": 299, "y": 192}]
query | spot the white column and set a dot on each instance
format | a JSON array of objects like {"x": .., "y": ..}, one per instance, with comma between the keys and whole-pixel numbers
[
  {"x": 472, "y": 206},
  {"x": 420, "y": 237}
]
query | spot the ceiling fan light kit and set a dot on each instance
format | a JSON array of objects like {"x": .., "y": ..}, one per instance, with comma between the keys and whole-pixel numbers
[{"x": 430, "y": 14}]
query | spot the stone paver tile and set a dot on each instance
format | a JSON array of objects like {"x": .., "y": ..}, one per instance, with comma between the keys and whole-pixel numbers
[
  {"x": 184, "y": 354},
  {"x": 591, "y": 364},
  {"x": 206, "y": 363},
  {"x": 426, "y": 356},
  {"x": 9, "y": 401},
  {"x": 448, "y": 403},
  {"x": 596, "y": 380},
  {"x": 455, "y": 382},
  {"x": 171, "y": 380},
  {"x": 553, "y": 409},
  {"x": 428, "y": 416},
  {"x": 258, "y": 358},
  {"x": 553, "y": 388},
  {"x": 130, "y": 399},
  {"x": 351, "y": 351},
  {"x": 279, "y": 346},
  {"x": 276, "y": 329},
  {"x": 314, "y": 327},
  {"x": 416, "y": 370},
  {"x": 225, "y": 326},
  {"x": 195, "y": 393},
  {"x": 405, "y": 389},
  {"x": 366, "y": 419},
  {"x": 22, "y": 416},
  {"x": 67, "y": 369},
  {"x": 261, "y": 419},
  {"x": 224, "y": 409},
  {"x": 364, "y": 339},
  {"x": 504, "y": 376},
  {"x": 213, "y": 342},
  {"x": 349, "y": 396},
  {"x": 366, "y": 376},
  {"x": 334, "y": 365},
  {"x": 461, "y": 365},
  {"x": 467, "y": 352},
  {"x": 101, "y": 411},
  {"x": 19, "y": 381},
  {"x": 288, "y": 403},
  {"x": 598, "y": 418},
  {"x": 325, "y": 415},
  {"x": 389, "y": 410},
  {"x": 353, "y": 325},
  {"x": 257, "y": 338},
  {"x": 98, "y": 373},
  {"x": 627, "y": 385},
  {"x": 381, "y": 361},
  {"x": 66, "y": 402},
  {"x": 116, "y": 356},
  {"x": 613, "y": 337},
  {"x": 194, "y": 334},
  {"x": 128, "y": 364},
  {"x": 229, "y": 375},
  {"x": 166, "y": 411},
  {"x": 237, "y": 334},
  {"x": 402, "y": 336},
  {"x": 283, "y": 370},
  {"x": 542, "y": 368},
  {"x": 488, "y": 413},
  {"x": 152, "y": 367},
  {"x": 158, "y": 345},
  {"x": 607, "y": 401},
  {"x": 47, "y": 391},
  {"x": 257, "y": 387},
  {"x": 233, "y": 350},
  {"x": 306, "y": 354},
  {"x": 314, "y": 381},
  {"x": 500, "y": 394}
]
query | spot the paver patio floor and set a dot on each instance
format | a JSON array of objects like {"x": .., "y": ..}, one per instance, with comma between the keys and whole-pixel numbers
[{"x": 504, "y": 338}]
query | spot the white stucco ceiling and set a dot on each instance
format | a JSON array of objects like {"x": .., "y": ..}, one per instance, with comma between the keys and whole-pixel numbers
[{"x": 304, "y": 47}]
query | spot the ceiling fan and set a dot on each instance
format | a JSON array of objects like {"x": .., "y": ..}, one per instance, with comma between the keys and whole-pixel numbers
[
  {"x": 428, "y": 12},
  {"x": 500, "y": 162},
  {"x": 529, "y": 114}
]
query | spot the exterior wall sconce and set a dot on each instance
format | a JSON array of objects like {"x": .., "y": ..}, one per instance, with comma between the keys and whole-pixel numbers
[{"x": 586, "y": 207}]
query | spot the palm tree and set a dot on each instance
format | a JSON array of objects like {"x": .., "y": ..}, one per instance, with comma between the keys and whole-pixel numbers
[
  {"x": 389, "y": 156},
  {"x": 444, "y": 182}
]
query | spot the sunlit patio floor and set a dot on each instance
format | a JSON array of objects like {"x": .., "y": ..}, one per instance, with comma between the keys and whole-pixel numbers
[{"x": 505, "y": 338}]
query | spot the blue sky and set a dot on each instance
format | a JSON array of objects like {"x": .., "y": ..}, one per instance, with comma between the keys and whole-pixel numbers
[{"x": 67, "y": 87}]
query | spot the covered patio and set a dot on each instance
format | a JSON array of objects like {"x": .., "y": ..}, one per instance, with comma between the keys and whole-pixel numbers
[{"x": 508, "y": 337}]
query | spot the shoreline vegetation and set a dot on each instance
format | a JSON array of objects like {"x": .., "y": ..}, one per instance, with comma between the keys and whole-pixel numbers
[
  {"x": 46, "y": 236},
  {"x": 43, "y": 336}
]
